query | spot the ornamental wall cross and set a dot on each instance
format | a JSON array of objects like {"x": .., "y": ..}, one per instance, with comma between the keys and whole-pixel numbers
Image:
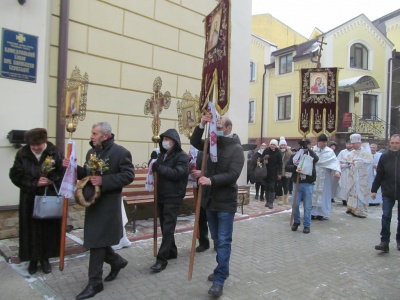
[{"x": 155, "y": 105}]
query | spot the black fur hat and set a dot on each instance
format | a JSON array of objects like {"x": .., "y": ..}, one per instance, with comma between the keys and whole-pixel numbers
[{"x": 36, "y": 136}]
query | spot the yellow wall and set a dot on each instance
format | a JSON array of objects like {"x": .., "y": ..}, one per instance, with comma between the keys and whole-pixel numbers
[{"x": 273, "y": 30}]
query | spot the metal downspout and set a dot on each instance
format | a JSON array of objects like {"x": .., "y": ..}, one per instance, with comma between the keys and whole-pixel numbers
[
  {"x": 389, "y": 96},
  {"x": 62, "y": 71},
  {"x": 262, "y": 105}
]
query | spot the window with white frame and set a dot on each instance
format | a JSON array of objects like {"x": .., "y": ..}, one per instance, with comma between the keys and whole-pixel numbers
[
  {"x": 284, "y": 107},
  {"x": 370, "y": 107},
  {"x": 251, "y": 111},
  {"x": 285, "y": 63},
  {"x": 252, "y": 71},
  {"x": 359, "y": 56}
]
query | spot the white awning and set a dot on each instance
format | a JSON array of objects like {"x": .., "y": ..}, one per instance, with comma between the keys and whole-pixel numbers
[{"x": 358, "y": 84}]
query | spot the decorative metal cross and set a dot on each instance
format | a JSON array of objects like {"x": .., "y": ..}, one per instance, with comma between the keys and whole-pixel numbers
[{"x": 155, "y": 105}]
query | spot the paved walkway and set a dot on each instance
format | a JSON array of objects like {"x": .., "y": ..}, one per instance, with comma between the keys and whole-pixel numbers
[{"x": 336, "y": 260}]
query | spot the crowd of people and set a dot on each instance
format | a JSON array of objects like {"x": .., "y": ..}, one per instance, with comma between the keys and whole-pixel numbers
[{"x": 359, "y": 175}]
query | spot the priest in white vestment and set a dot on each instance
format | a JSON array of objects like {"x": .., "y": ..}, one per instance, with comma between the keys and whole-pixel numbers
[
  {"x": 340, "y": 192},
  {"x": 358, "y": 184},
  {"x": 327, "y": 168}
]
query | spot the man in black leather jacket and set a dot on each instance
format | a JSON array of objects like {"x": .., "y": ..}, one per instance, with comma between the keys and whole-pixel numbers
[{"x": 220, "y": 188}]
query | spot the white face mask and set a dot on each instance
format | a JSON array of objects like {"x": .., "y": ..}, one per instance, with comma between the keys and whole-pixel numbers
[
  {"x": 166, "y": 145},
  {"x": 220, "y": 133}
]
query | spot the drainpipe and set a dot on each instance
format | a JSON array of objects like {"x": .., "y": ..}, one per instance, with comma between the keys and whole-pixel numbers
[
  {"x": 262, "y": 104},
  {"x": 62, "y": 72},
  {"x": 389, "y": 97}
]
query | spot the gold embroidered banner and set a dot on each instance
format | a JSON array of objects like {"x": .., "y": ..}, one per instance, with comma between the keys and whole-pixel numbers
[
  {"x": 215, "y": 77},
  {"x": 319, "y": 98}
]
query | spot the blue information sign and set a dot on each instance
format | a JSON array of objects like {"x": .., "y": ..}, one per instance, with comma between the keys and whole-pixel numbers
[{"x": 18, "y": 55}]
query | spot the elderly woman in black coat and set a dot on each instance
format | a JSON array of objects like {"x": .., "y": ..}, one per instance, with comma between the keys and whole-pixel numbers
[{"x": 39, "y": 239}]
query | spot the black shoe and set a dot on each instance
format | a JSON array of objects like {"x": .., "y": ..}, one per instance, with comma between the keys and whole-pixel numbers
[
  {"x": 115, "y": 270},
  {"x": 319, "y": 218},
  {"x": 256, "y": 197},
  {"x": 344, "y": 202},
  {"x": 295, "y": 226},
  {"x": 261, "y": 198},
  {"x": 90, "y": 291},
  {"x": 216, "y": 290},
  {"x": 211, "y": 277},
  {"x": 69, "y": 228},
  {"x": 384, "y": 247},
  {"x": 306, "y": 230},
  {"x": 32, "y": 269},
  {"x": 202, "y": 248},
  {"x": 46, "y": 268},
  {"x": 332, "y": 200},
  {"x": 158, "y": 267},
  {"x": 313, "y": 217},
  {"x": 398, "y": 246}
]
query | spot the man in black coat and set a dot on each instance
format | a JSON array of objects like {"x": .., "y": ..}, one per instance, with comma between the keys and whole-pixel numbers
[
  {"x": 103, "y": 219},
  {"x": 172, "y": 167},
  {"x": 220, "y": 188},
  {"x": 388, "y": 177}
]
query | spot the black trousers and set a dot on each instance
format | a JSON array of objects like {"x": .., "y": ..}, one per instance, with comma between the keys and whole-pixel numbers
[
  {"x": 99, "y": 256},
  {"x": 203, "y": 228},
  {"x": 282, "y": 184},
  {"x": 168, "y": 215}
]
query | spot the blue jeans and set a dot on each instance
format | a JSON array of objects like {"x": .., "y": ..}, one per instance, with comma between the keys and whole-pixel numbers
[
  {"x": 387, "y": 208},
  {"x": 221, "y": 228},
  {"x": 304, "y": 192}
]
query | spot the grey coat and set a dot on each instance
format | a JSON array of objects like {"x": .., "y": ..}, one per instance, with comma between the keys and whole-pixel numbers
[{"x": 103, "y": 219}]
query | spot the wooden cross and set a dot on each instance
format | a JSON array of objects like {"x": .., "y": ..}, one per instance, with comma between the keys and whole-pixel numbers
[
  {"x": 155, "y": 105},
  {"x": 321, "y": 42}
]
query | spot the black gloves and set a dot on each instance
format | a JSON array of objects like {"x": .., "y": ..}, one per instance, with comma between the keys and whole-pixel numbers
[{"x": 154, "y": 167}]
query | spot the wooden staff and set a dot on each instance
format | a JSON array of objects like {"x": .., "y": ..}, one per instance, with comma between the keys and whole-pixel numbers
[
  {"x": 155, "y": 213},
  {"x": 294, "y": 199},
  {"x": 197, "y": 208},
  {"x": 64, "y": 219}
]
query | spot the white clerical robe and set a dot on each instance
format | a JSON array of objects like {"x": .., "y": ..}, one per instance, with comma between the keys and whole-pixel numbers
[
  {"x": 378, "y": 200},
  {"x": 358, "y": 185},
  {"x": 341, "y": 192},
  {"x": 326, "y": 166}
]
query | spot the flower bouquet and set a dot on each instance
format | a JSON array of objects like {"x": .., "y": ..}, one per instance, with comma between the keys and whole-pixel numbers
[
  {"x": 47, "y": 166},
  {"x": 96, "y": 165}
]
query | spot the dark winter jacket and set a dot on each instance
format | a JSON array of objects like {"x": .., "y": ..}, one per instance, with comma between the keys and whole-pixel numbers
[
  {"x": 173, "y": 170},
  {"x": 38, "y": 239},
  {"x": 274, "y": 165},
  {"x": 103, "y": 219},
  {"x": 222, "y": 194},
  {"x": 256, "y": 156},
  {"x": 290, "y": 167},
  {"x": 388, "y": 175}
]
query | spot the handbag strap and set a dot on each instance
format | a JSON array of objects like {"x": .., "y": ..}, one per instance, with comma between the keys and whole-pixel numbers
[{"x": 55, "y": 188}]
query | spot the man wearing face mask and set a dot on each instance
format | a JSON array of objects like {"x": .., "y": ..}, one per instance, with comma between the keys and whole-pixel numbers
[
  {"x": 172, "y": 167},
  {"x": 220, "y": 191}
]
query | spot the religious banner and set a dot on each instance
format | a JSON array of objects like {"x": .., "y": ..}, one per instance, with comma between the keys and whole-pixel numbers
[
  {"x": 215, "y": 77},
  {"x": 318, "y": 106}
]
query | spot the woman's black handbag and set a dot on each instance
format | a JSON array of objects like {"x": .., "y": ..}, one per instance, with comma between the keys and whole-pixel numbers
[
  {"x": 48, "y": 207},
  {"x": 260, "y": 173}
]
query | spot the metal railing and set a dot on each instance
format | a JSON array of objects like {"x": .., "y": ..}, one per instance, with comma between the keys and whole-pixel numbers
[{"x": 371, "y": 126}]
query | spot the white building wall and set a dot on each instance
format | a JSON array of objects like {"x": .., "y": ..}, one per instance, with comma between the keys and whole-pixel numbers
[{"x": 24, "y": 104}]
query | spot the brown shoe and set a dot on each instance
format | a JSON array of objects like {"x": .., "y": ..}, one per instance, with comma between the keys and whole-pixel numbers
[{"x": 384, "y": 247}]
